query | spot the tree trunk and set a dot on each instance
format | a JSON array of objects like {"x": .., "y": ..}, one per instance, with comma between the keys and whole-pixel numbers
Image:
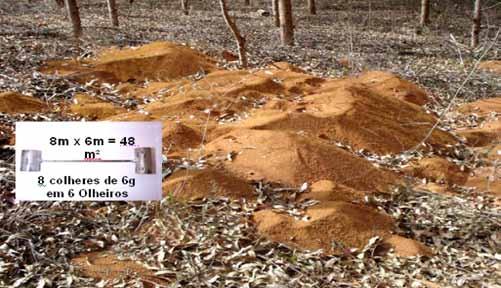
[
  {"x": 276, "y": 13},
  {"x": 247, "y": 2},
  {"x": 312, "y": 7},
  {"x": 286, "y": 22},
  {"x": 60, "y": 3},
  {"x": 74, "y": 15},
  {"x": 242, "y": 51},
  {"x": 477, "y": 20},
  {"x": 185, "y": 7},
  {"x": 425, "y": 12},
  {"x": 112, "y": 10}
]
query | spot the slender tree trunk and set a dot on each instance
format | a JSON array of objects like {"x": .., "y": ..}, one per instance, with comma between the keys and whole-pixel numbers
[
  {"x": 276, "y": 13},
  {"x": 242, "y": 51},
  {"x": 477, "y": 20},
  {"x": 247, "y": 2},
  {"x": 185, "y": 7},
  {"x": 312, "y": 7},
  {"x": 112, "y": 10},
  {"x": 74, "y": 15},
  {"x": 286, "y": 22},
  {"x": 425, "y": 12}
]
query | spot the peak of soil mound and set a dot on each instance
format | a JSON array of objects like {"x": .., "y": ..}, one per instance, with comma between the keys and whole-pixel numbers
[
  {"x": 389, "y": 84},
  {"x": 94, "y": 108},
  {"x": 439, "y": 170},
  {"x": 178, "y": 137},
  {"x": 491, "y": 66},
  {"x": 154, "y": 61},
  {"x": 13, "y": 102},
  {"x": 198, "y": 184},
  {"x": 292, "y": 159},
  {"x": 331, "y": 225},
  {"x": 345, "y": 111}
]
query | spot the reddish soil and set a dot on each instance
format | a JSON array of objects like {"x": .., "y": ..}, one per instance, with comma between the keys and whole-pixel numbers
[
  {"x": 178, "y": 137},
  {"x": 390, "y": 85},
  {"x": 155, "y": 61},
  {"x": 94, "y": 108},
  {"x": 326, "y": 190},
  {"x": 106, "y": 266},
  {"x": 198, "y": 184},
  {"x": 491, "y": 66},
  {"x": 347, "y": 224},
  {"x": 407, "y": 247},
  {"x": 278, "y": 124},
  {"x": 292, "y": 159},
  {"x": 487, "y": 179},
  {"x": 487, "y": 137},
  {"x": 12, "y": 102},
  {"x": 349, "y": 112},
  {"x": 365, "y": 112},
  {"x": 482, "y": 107},
  {"x": 439, "y": 170}
]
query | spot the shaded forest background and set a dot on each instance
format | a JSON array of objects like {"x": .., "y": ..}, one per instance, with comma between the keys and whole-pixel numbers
[{"x": 344, "y": 37}]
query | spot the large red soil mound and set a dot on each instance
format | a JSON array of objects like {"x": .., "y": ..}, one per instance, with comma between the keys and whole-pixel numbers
[
  {"x": 345, "y": 111},
  {"x": 198, "y": 184},
  {"x": 331, "y": 225},
  {"x": 12, "y": 102},
  {"x": 277, "y": 124},
  {"x": 292, "y": 159},
  {"x": 155, "y": 61}
]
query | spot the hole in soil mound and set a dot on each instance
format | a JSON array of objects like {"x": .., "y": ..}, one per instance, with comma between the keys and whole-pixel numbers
[
  {"x": 291, "y": 159},
  {"x": 155, "y": 61}
]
